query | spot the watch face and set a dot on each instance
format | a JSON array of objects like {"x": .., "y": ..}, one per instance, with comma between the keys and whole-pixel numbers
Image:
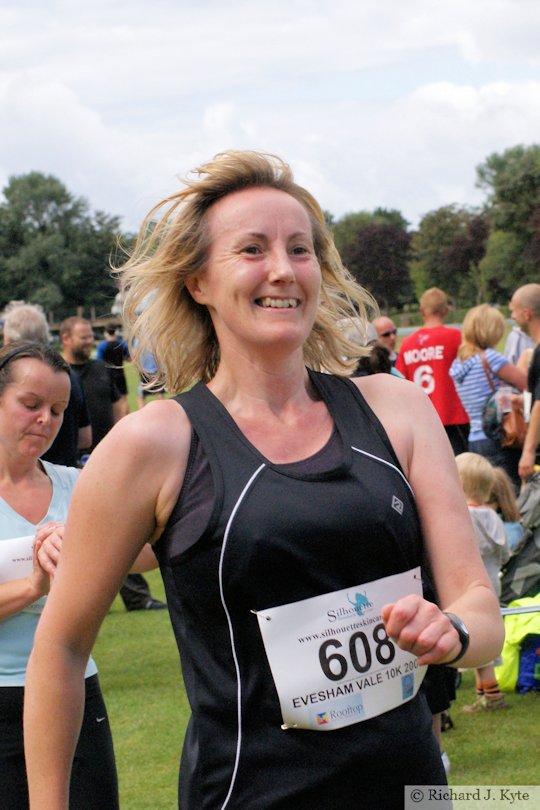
[
  {"x": 460, "y": 627},
  {"x": 462, "y": 632},
  {"x": 456, "y": 621}
]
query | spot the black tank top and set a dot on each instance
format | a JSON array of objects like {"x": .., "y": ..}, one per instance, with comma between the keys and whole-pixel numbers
[{"x": 272, "y": 534}]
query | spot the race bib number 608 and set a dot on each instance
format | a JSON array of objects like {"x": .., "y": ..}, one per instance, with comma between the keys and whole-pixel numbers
[{"x": 332, "y": 663}]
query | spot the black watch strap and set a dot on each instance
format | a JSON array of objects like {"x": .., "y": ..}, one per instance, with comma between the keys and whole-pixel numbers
[{"x": 463, "y": 634}]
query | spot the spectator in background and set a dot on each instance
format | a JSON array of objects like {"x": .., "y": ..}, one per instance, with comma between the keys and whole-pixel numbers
[
  {"x": 478, "y": 371},
  {"x": 22, "y": 321},
  {"x": 102, "y": 395},
  {"x": 517, "y": 342},
  {"x": 387, "y": 335},
  {"x": 519, "y": 345},
  {"x": 503, "y": 501},
  {"x": 525, "y": 309},
  {"x": 105, "y": 407},
  {"x": 425, "y": 358},
  {"x": 114, "y": 351},
  {"x": 28, "y": 322},
  {"x": 477, "y": 479},
  {"x": 375, "y": 359},
  {"x": 34, "y": 501}
]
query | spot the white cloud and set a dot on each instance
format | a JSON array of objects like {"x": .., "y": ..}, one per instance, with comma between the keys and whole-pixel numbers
[{"x": 373, "y": 103}]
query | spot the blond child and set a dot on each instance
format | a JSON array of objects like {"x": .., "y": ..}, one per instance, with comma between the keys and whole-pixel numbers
[
  {"x": 503, "y": 501},
  {"x": 477, "y": 480}
]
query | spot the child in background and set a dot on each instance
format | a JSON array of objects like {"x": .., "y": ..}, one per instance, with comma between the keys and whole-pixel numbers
[
  {"x": 503, "y": 501},
  {"x": 477, "y": 479}
]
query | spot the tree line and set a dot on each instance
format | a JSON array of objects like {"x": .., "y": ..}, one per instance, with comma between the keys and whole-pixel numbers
[{"x": 56, "y": 252}]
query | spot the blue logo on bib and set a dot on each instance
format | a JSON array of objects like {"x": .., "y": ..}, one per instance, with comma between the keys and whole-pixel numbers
[{"x": 361, "y": 602}]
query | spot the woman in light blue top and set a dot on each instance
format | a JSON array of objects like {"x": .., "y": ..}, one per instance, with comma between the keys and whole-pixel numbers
[
  {"x": 34, "y": 500},
  {"x": 477, "y": 371}
]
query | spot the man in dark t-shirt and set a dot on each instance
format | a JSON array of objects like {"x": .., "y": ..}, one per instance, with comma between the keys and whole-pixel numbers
[
  {"x": 105, "y": 407},
  {"x": 101, "y": 395},
  {"x": 94, "y": 376},
  {"x": 66, "y": 446},
  {"x": 114, "y": 351}
]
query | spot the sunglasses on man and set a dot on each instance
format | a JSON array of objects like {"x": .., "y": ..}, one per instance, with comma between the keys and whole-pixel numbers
[{"x": 387, "y": 334}]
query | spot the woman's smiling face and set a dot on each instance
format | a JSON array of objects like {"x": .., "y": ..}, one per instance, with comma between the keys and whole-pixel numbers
[{"x": 262, "y": 280}]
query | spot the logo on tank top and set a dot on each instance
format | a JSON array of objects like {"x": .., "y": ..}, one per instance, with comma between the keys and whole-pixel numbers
[{"x": 397, "y": 504}]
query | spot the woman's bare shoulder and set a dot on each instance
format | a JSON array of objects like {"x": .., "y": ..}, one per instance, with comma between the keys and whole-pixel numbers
[
  {"x": 385, "y": 389},
  {"x": 144, "y": 458},
  {"x": 159, "y": 424},
  {"x": 155, "y": 439},
  {"x": 405, "y": 411}
]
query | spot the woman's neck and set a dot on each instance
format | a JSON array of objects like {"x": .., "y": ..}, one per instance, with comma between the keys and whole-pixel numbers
[
  {"x": 15, "y": 471},
  {"x": 262, "y": 386},
  {"x": 280, "y": 414},
  {"x": 27, "y": 490}
]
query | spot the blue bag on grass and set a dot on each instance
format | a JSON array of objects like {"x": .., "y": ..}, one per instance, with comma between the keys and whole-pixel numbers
[{"x": 529, "y": 665}]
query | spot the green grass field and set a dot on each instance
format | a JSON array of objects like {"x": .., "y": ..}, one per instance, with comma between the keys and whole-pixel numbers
[
  {"x": 142, "y": 684},
  {"x": 140, "y": 677}
]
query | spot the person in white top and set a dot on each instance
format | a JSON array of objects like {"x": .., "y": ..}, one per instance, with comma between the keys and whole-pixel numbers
[{"x": 34, "y": 500}]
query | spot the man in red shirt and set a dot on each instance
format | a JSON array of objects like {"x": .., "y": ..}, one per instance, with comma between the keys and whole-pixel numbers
[{"x": 425, "y": 358}]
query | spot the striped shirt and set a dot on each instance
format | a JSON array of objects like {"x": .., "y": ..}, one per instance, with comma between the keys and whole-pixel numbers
[{"x": 473, "y": 387}]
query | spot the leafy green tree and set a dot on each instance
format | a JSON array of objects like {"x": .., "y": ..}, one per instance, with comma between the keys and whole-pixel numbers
[
  {"x": 328, "y": 218},
  {"x": 390, "y": 216},
  {"x": 512, "y": 183},
  {"x": 346, "y": 228},
  {"x": 532, "y": 249},
  {"x": 53, "y": 250},
  {"x": 375, "y": 248},
  {"x": 447, "y": 249},
  {"x": 378, "y": 255},
  {"x": 502, "y": 268},
  {"x": 463, "y": 260}
]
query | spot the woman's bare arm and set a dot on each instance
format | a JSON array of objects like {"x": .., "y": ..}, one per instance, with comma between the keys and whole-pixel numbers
[
  {"x": 122, "y": 500},
  {"x": 456, "y": 567},
  {"x": 514, "y": 376},
  {"x": 19, "y": 593},
  {"x": 146, "y": 560}
]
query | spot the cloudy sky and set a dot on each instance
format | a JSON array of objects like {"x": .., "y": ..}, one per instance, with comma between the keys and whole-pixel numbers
[{"x": 373, "y": 102}]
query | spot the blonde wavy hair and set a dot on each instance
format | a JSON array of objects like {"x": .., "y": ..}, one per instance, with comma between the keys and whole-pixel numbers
[
  {"x": 483, "y": 327},
  {"x": 503, "y": 496},
  {"x": 477, "y": 477},
  {"x": 159, "y": 314}
]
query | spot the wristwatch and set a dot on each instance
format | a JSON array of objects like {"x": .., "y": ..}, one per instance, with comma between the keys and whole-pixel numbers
[{"x": 463, "y": 634}]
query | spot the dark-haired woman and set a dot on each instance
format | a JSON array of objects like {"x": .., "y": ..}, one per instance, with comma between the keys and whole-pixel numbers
[{"x": 34, "y": 500}]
